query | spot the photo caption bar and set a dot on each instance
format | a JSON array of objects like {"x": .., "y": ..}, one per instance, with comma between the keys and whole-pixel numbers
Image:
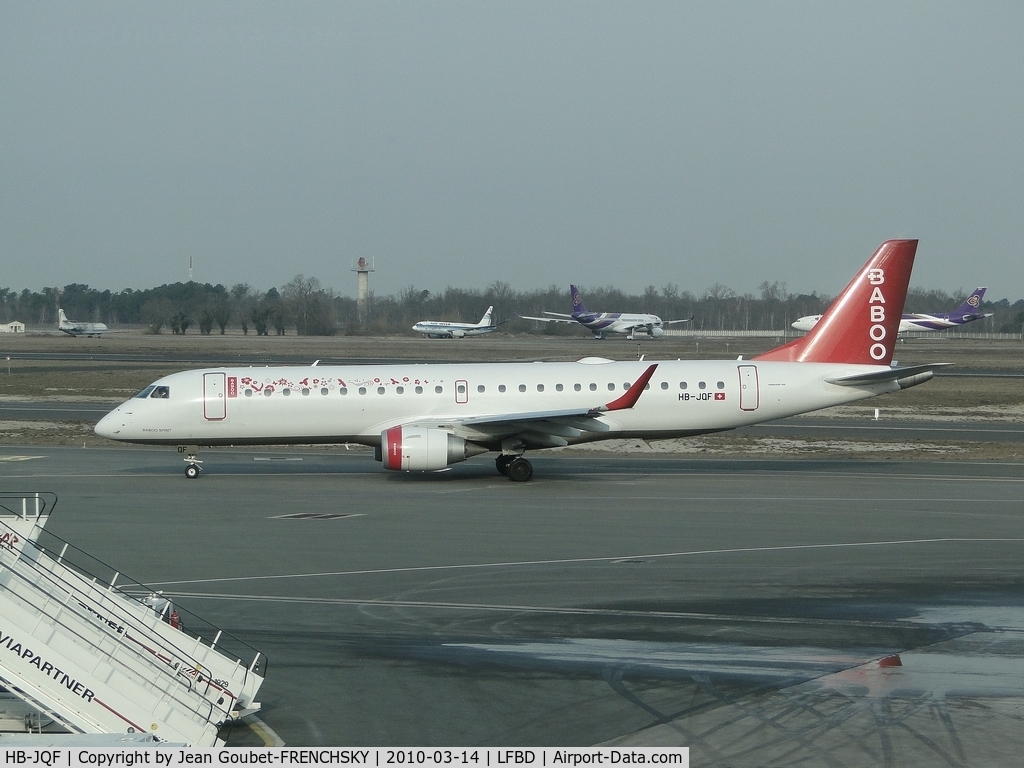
[{"x": 157, "y": 754}]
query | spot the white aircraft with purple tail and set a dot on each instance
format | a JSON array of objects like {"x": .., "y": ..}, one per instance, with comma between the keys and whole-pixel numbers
[
  {"x": 600, "y": 323},
  {"x": 965, "y": 313}
]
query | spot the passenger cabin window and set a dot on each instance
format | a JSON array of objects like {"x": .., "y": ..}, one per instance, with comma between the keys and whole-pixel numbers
[
  {"x": 664, "y": 385},
  {"x": 439, "y": 389},
  {"x": 577, "y": 387},
  {"x": 343, "y": 391},
  {"x": 593, "y": 387},
  {"x": 721, "y": 385},
  {"x": 362, "y": 390},
  {"x": 701, "y": 385},
  {"x": 323, "y": 390},
  {"x": 480, "y": 388},
  {"x": 522, "y": 387},
  {"x": 461, "y": 389},
  {"x": 540, "y": 387},
  {"x": 146, "y": 391},
  {"x": 682, "y": 385},
  {"x": 558, "y": 387},
  {"x": 419, "y": 390},
  {"x": 501, "y": 387},
  {"x": 611, "y": 387},
  {"x": 380, "y": 390},
  {"x": 161, "y": 393},
  {"x": 248, "y": 393},
  {"x": 400, "y": 390}
]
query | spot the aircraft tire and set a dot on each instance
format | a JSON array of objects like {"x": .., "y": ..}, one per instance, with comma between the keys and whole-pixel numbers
[
  {"x": 192, "y": 471},
  {"x": 502, "y": 462},
  {"x": 519, "y": 470}
]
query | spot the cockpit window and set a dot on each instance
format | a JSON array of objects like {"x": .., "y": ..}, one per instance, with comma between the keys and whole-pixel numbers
[
  {"x": 146, "y": 391},
  {"x": 161, "y": 392}
]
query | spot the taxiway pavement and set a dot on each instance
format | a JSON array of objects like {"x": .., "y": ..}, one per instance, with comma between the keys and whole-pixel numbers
[{"x": 715, "y": 603}]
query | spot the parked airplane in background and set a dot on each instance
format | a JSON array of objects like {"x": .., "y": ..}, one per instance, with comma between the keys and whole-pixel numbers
[
  {"x": 438, "y": 329},
  {"x": 601, "y": 323},
  {"x": 965, "y": 313},
  {"x": 78, "y": 329},
  {"x": 430, "y": 416}
]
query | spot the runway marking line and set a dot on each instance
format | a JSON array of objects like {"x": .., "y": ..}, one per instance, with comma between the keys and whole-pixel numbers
[
  {"x": 575, "y": 611},
  {"x": 20, "y": 458},
  {"x": 603, "y": 559}
]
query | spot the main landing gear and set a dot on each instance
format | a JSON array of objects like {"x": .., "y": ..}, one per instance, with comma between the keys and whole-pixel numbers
[
  {"x": 195, "y": 464},
  {"x": 515, "y": 468}
]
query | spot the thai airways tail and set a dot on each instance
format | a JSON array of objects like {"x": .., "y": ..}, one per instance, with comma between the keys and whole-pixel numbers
[
  {"x": 577, "y": 301},
  {"x": 486, "y": 319},
  {"x": 861, "y": 325},
  {"x": 970, "y": 309}
]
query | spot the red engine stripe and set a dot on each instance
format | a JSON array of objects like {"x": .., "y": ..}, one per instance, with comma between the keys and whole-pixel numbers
[{"x": 393, "y": 449}]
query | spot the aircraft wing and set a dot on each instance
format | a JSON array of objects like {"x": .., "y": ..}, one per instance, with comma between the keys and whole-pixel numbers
[
  {"x": 548, "y": 428},
  {"x": 559, "y": 319},
  {"x": 672, "y": 322}
]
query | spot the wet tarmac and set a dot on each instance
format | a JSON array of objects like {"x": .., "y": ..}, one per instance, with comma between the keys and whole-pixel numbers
[{"x": 783, "y": 612}]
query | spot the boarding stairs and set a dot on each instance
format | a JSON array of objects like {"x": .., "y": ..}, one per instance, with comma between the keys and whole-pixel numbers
[{"x": 92, "y": 652}]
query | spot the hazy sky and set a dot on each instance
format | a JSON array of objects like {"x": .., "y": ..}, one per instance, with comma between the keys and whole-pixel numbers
[{"x": 626, "y": 144}]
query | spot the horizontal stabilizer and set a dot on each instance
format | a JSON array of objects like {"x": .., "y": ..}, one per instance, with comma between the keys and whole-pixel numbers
[{"x": 891, "y": 374}]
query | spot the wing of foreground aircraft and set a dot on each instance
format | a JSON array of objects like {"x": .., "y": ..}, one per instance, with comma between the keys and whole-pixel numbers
[{"x": 427, "y": 417}]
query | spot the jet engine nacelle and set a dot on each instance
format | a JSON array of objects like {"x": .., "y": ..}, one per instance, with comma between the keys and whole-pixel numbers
[
  {"x": 656, "y": 332},
  {"x": 457, "y": 334},
  {"x": 404, "y": 449}
]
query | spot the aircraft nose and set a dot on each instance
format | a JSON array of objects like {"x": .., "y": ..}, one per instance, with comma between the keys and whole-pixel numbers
[{"x": 110, "y": 425}]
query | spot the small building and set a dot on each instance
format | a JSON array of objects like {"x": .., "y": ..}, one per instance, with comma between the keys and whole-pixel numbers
[{"x": 14, "y": 327}]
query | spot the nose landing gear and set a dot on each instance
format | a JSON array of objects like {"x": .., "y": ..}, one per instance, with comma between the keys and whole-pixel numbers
[{"x": 195, "y": 464}]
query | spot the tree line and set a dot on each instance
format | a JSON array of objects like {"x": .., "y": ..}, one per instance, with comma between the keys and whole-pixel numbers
[{"x": 305, "y": 307}]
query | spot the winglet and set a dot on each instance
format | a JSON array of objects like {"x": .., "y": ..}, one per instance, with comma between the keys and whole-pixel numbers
[{"x": 631, "y": 395}]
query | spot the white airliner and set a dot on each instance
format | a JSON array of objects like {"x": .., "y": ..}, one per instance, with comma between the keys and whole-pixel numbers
[
  {"x": 967, "y": 312},
  {"x": 78, "y": 329},
  {"x": 430, "y": 416},
  {"x": 600, "y": 323},
  {"x": 438, "y": 329}
]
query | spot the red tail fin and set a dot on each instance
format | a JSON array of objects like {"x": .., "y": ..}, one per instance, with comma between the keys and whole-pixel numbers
[{"x": 861, "y": 325}]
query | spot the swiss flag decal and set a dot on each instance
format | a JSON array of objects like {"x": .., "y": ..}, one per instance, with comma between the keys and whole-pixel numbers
[{"x": 719, "y": 395}]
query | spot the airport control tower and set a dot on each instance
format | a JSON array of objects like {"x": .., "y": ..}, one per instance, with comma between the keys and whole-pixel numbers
[{"x": 362, "y": 270}]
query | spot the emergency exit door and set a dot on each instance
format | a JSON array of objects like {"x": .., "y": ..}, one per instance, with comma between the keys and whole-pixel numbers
[
  {"x": 748, "y": 387},
  {"x": 214, "y": 402}
]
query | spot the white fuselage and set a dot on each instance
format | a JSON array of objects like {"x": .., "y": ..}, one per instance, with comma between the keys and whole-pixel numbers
[
  {"x": 335, "y": 404},
  {"x": 83, "y": 329},
  {"x": 440, "y": 329},
  {"x": 916, "y": 322}
]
